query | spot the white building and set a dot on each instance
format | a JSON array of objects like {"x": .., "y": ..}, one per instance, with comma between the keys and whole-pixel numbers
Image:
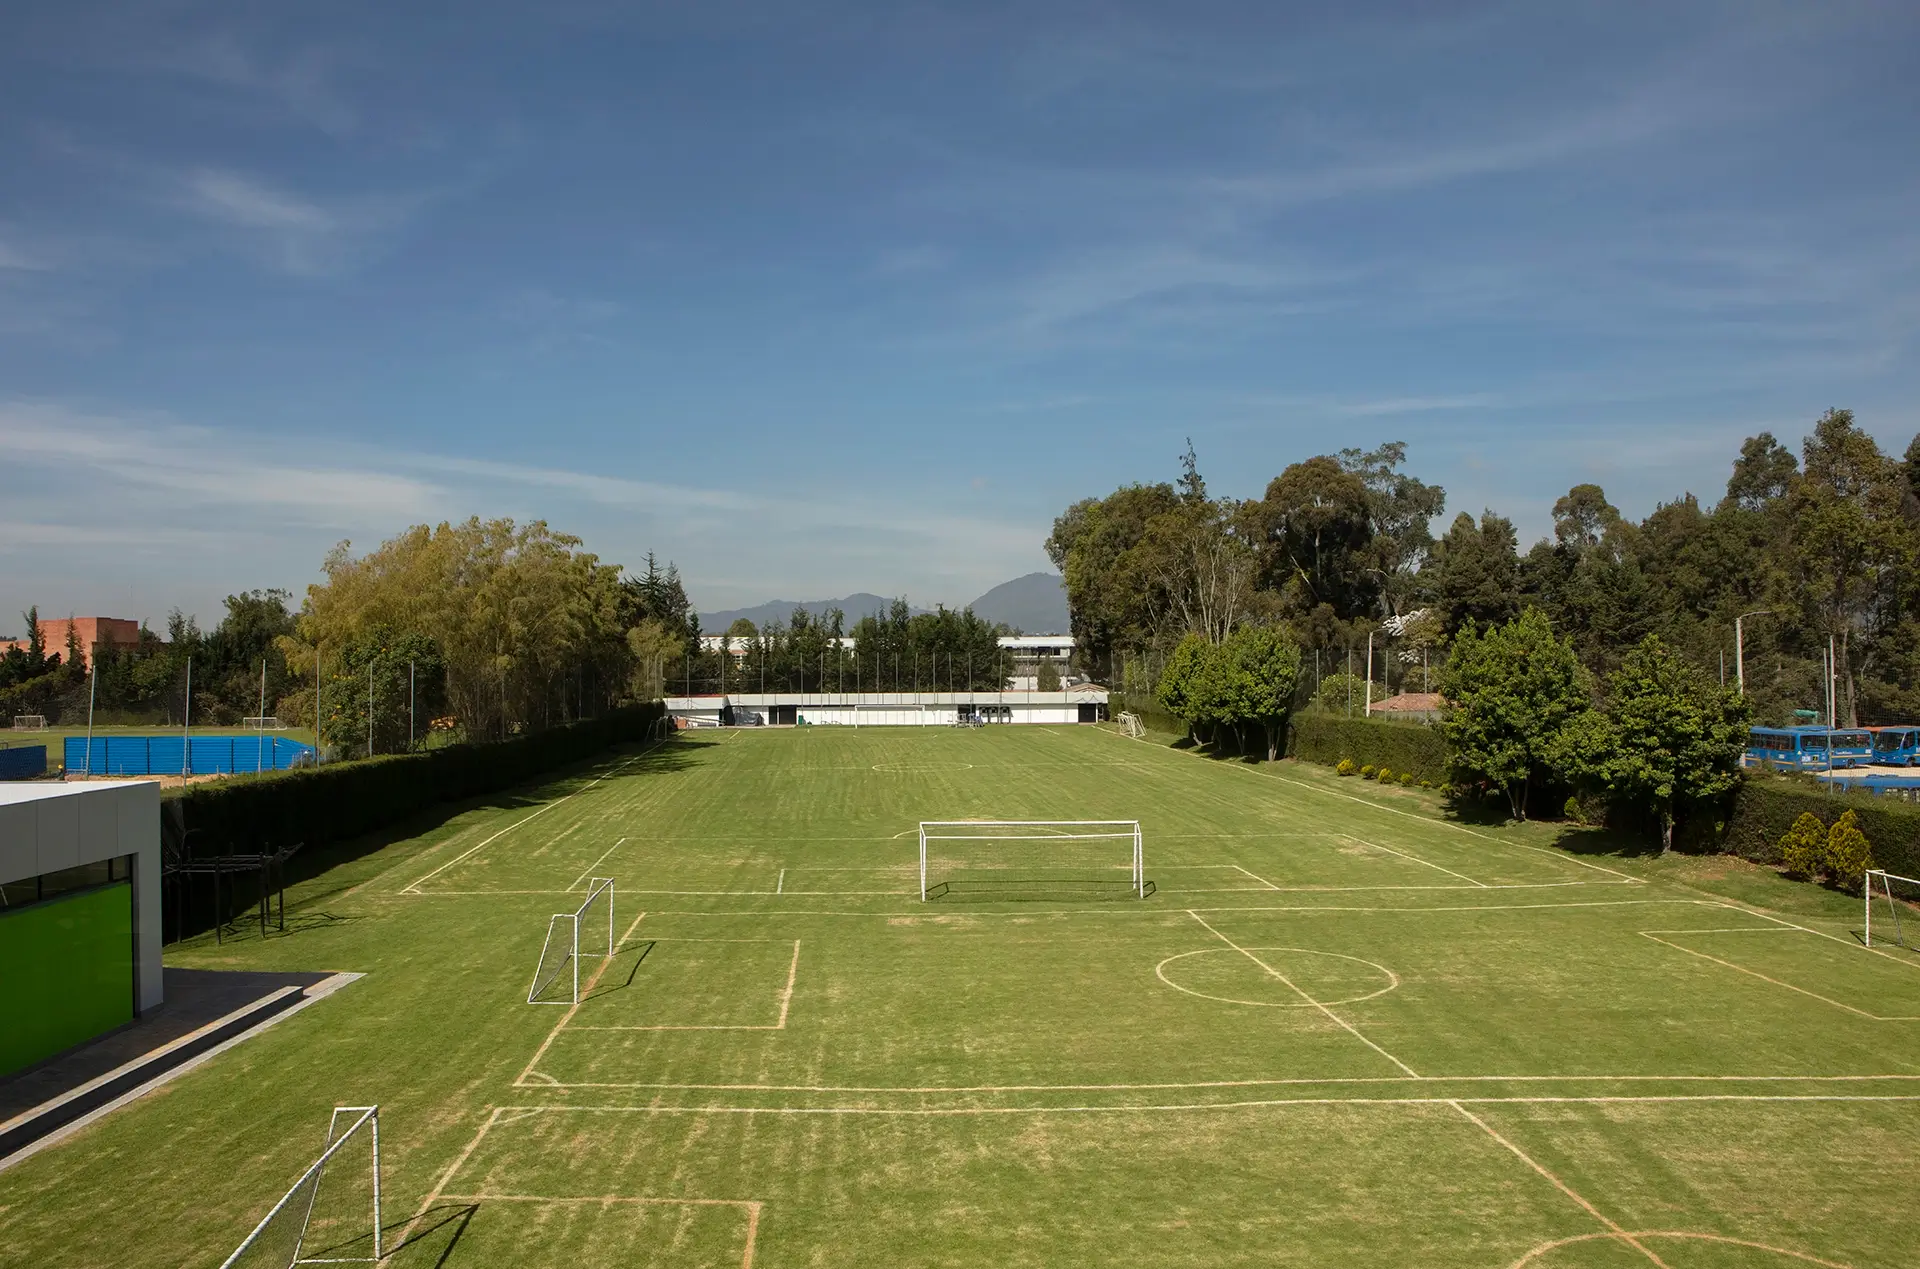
[
  {"x": 1075, "y": 704},
  {"x": 1028, "y": 652}
]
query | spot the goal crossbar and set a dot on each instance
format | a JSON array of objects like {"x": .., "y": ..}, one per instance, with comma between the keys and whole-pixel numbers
[
  {"x": 1028, "y": 865},
  {"x": 292, "y": 1217},
  {"x": 1880, "y": 885},
  {"x": 571, "y": 936}
]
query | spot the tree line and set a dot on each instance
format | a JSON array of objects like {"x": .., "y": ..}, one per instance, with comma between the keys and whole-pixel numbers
[{"x": 1813, "y": 552}]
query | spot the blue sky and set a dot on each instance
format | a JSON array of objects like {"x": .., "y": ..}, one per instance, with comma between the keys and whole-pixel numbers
[{"x": 813, "y": 299}]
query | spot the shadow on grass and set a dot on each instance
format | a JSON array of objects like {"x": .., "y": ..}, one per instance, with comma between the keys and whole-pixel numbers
[
  {"x": 317, "y": 862},
  {"x": 449, "y": 1220}
]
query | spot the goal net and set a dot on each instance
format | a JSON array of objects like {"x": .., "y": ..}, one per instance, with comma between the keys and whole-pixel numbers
[
  {"x": 331, "y": 1216},
  {"x": 1894, "y": 902},
  {"x": 571, "y": 937},
  {"x": 1131, "y": 724},
  {"x": 1032, "y": 859},
  {"x": 29, "y": 722}
]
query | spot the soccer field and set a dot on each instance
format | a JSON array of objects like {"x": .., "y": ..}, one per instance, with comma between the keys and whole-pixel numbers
[{"x": 1340, "y": 1031}]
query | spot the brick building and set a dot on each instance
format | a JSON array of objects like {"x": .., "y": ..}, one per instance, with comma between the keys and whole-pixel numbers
[{"x": 92, "y": 632}]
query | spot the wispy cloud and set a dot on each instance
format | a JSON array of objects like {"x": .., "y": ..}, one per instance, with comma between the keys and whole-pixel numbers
[{"x": 295, "y": 233}]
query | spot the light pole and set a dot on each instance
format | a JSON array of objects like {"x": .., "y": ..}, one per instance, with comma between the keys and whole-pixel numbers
[{"x": 1739, "y": 651}]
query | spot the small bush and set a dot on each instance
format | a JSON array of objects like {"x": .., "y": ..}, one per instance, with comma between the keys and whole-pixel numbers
[
  {"x": 1384, "y": 775},
  {"x": 1804, "y": 848},
  {"x": 1849, "y": 854},
  {"x": 1426, "y": 784},
  {"x": 1406, "y": 779},
  {"x": 1368, "y": 772},
  {"x": 1573, "y": 812},
  {"x": 1345, "y": 767}
]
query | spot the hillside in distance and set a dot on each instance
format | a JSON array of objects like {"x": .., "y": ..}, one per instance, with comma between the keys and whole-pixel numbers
[{"x": 1034, "y": 604}]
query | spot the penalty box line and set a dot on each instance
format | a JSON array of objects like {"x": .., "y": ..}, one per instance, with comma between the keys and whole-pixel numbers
[
  {"x": 1349, "y": 1027},
  {"x": 1617, "y": 1230},
  {"x": 413, "y": 887},
  {"x": 521, "y": 1081},
  {"x": 779, "y": 1024},
  {"x": 1300, "y": 1081},
  {"x": 1766, "y": 978}
]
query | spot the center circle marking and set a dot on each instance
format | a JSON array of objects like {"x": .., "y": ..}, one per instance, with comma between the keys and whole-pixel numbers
[{"x": 1392, "y": 979}]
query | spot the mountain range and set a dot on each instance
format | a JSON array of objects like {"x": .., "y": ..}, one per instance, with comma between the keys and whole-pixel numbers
[{"x": 1034, "y": 604}]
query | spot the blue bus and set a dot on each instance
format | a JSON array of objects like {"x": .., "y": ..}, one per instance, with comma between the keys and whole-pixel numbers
[
  {"x": 1809, "y": 748},
  {"x": 1896, "y": 746}
]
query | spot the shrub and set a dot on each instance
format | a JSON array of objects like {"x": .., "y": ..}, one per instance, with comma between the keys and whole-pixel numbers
[
  {"x": 1573, "y": 812},
  {"x": 1426, "y": 784},
  {"x": 1313, "y": 737},
  {"x": 1406, "y": 779},
  {"x": 1384, "y": 775},
  {"x": 1848, "y": 854},
  {"x": 1766, "y": 806},
  {"x": 1345, "y": 767},
  {"x": 1368, "y": 772},
  {"x": 1804, "y": 848}
]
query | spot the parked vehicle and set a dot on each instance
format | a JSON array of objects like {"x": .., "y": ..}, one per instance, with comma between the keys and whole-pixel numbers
[
  {"x": 1809, "y": 748},
  {"x": 1896, "y": 746}
]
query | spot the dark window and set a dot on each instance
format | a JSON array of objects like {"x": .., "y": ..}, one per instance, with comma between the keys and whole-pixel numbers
[{"x": 64, "y": 881}]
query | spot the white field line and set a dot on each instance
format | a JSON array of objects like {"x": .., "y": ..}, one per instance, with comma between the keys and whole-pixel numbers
[
  {"x": 440, "y": 1185},
  {"x": 1734, "y": 906},
  {"x": 940, "y": 1112},
  {"x": 574, "y": 1008},
  {"x": 779, "y": 1024},
  {"x": 1308, "y": 1081},
  {"x": 1426, "y": 819},
  {"x": 1139, "y": 910},
  {"x": 588, "y": 874},
  {"x": 1350, "y": 1028},
  {"x": 1825, "y": 1000},
  {"x": 781, "y": 884},
  {"x": 1256, "y": 876},
  {"x": 1415, "y": 858},
  {"x": 413, "y": 887},
  {"x": 1617, "y": 1231},
  {"x": 751, "y": 1207}
]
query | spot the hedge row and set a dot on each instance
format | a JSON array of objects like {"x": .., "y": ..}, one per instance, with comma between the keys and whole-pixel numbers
[
  {"x": 321, "y": 805},
  {"x": 1764, "y": 807},
  {"x": 1327, "y": 738}
]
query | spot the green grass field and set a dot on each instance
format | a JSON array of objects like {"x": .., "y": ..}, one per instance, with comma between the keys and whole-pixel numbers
[{"x": 1342, "y": 1031}]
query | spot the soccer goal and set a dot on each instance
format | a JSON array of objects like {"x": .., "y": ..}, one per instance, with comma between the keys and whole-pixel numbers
[
  {"x": 29, "y": 722},
  {"x": 1890, "y": 893},
  {"x": 1012, "y": 859},
  {"x": 1131, "y": 724},
  {"x": 331, "y": 1216},
  {"x": 571, "y": 936}
]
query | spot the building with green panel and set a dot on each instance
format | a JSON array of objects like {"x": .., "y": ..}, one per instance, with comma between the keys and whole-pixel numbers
[{"x": 79, "y": 913}]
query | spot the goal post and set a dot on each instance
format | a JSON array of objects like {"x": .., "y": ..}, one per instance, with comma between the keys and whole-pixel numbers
[
  {"x": 331, "y": 1216},
  {"x": 1130, "y": 724},
  {"x": 1890, "y": 892},
  {"x": 1001, "y": 859},
  {"x": 571, "y": 937}
]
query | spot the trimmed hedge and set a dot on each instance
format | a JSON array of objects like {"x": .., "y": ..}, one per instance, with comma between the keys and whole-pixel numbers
[
  {"x": 321, "y": 805},
  {"x": 1326, "y": 739},
  {"x": 1764, "y": 807}
]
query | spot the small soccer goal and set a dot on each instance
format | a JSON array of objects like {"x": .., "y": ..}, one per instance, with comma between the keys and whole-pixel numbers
[
  {"x": 1032, "y": 859},
  {"x": 29, "y": 722},
  {"x": 1895, "y": 898},
  {"x": 1130, "y": 723},
  {"x": 331, "y": 1216},
  {"x": 587, "y": 931}
]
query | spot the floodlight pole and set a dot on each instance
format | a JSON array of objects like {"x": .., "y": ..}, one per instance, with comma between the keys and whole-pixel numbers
[
  {"x": 1366, "y": 710},
  {"x": 1739, "y": 650},
  {"x": 186, "y": 734},
  {"x": 369, "y": 709},
  {"x": 93, "y": 687},
  {"x": 260, "y": 739}
]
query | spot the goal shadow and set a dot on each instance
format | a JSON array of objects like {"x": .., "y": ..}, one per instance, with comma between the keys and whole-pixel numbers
[{"x": 1037, "y": 890}]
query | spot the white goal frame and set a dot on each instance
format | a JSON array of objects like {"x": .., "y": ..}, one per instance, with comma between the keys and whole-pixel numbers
[
  {"x": 367, "y": 1117},
  {"x": 1077, "y": 830},
  {"x": 1885, "y": 893},
  {"x": 1130, "y": 724},
  {"x": 29, "y": 722},
  {"x": 569, "y": 926}
]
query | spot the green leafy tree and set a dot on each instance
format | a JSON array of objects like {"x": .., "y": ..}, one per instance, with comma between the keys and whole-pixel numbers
[
  {"x": 1047, "y": 676},
  {"x": 1182, "y": 690},
  {"x": 1668, "y": 739},
  {"x": 1512, "y": 691},
  {"x": 1475, "y": 576},
  {"x": 1254, "y": 677}
]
